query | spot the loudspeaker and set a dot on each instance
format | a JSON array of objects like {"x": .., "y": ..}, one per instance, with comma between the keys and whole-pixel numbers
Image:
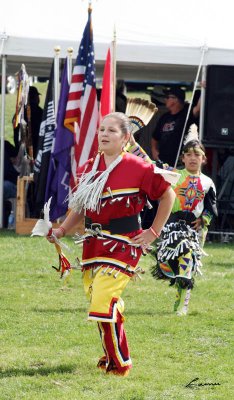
[{"x": 219, "y": 106}]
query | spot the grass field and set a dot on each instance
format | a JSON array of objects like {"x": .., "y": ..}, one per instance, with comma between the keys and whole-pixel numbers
[{"x": 49, "y": 350}]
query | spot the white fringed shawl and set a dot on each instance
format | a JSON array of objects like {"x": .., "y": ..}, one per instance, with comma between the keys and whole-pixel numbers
[{"x": 89, "y": 192}]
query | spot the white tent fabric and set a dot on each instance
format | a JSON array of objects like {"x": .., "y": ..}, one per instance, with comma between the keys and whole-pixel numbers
[{"x": 155, "y": 39}]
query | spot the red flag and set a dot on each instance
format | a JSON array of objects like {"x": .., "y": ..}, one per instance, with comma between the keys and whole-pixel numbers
[
  {"x": 106, "y": 101},
  {"x": 81, "y": 115}
]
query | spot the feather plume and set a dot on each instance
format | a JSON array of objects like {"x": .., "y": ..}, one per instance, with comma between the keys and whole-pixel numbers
[
  {"x": 192, "y": 134},
  {"x": 44, "y": 225},
  {"x": 140, "y": 112}
]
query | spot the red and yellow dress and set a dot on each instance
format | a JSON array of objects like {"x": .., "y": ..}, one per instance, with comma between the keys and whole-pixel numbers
[{"x": 109, "y": 258}]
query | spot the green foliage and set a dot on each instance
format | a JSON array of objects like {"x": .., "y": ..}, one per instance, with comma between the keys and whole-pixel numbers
[{"x": 49, "y": 350}]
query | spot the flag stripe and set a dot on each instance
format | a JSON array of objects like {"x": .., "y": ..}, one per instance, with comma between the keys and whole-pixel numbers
[
  {"x": 76, "y": 87},
  {"x": 86, "y": 141},
  {"x": 73, "y": 105},
  {"x": 82, "y": 103}
]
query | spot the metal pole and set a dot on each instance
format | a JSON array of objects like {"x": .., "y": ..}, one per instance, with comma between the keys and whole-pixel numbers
[
  {"x": 56, "y": 79},
  {"x": 69, "y": 64},
  {"x": 2, "y": 137},
  {"x": 190, "y": 105},
  {"x": 202, "y": 107},
  {"x": 113, "y": 69}
]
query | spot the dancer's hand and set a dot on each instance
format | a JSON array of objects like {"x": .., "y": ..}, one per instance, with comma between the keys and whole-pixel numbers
[
  {"x": 197, "y": 224},
  {"x": 55, "y": 233},
  {"x": 145, "y": 238}
]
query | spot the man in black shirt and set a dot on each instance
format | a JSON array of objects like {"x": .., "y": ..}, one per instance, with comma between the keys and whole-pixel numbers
[{"x": 167, "y": 135}]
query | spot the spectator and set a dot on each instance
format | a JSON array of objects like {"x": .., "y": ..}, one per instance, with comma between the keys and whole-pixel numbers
[
  {"x": 10, "y": 179},
  {"x": 33, "y": 118},
  {"x": 167, "y": 136},
  {"x": 144, "y": 135},
  {"x": 196, "y": 104},
  {"x": 121, "y": 98}
]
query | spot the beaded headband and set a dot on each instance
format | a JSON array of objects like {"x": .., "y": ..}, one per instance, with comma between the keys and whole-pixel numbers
[{"x": 196, "y": 150}]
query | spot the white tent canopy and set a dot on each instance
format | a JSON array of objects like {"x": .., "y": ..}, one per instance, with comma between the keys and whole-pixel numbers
[
  {"x": 147, "y": 62},
  {"x": 155, "y": 40}
]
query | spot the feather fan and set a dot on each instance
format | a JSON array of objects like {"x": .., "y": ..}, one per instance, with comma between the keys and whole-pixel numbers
[{"x": 140, "y": 112}]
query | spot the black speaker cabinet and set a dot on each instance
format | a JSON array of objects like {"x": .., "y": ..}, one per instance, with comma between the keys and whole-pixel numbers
[{"x": 219, "y": 106}]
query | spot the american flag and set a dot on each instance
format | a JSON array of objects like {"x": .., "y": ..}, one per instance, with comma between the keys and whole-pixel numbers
[{"x": 81, "y": 115}]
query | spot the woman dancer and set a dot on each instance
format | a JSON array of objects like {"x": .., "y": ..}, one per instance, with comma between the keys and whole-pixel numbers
[{"x": 112, "y": 190}]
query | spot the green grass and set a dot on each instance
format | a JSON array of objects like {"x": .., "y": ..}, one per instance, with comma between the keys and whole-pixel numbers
[{"x": 49, "y": 350}]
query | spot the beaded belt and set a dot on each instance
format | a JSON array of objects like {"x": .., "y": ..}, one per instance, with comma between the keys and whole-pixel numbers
[{"x": 116, "y": 225}]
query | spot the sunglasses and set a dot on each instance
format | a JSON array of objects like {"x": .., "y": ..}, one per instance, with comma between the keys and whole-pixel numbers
[{"x": 171, "y": 96}]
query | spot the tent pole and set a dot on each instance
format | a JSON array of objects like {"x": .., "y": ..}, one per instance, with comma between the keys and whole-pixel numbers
[
  {"x": 113, "y": 69},
  {"x": 202, "y": 109},
  {"x": 2, "y": 137}
]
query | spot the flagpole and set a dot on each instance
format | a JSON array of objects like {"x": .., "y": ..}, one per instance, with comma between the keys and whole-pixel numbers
[
  {"x": 69, "y": 64},
  {"x": 113, "y": 69},
  {"x": 204, "y": 49},
  {"x": 84, "y": 112},
  {"x": 56, "y": 78}
]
